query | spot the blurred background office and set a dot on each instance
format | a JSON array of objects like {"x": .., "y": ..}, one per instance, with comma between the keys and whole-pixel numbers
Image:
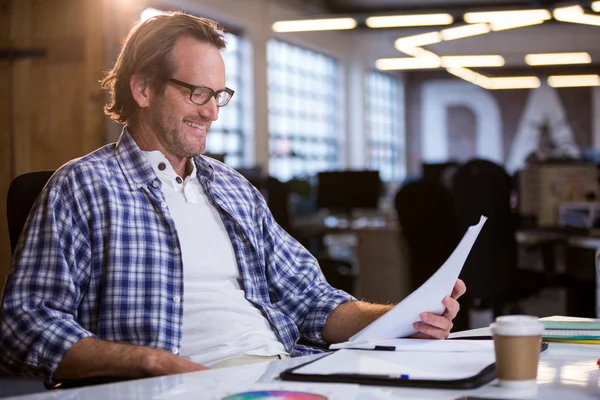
[{"x": 377, "y": 137}]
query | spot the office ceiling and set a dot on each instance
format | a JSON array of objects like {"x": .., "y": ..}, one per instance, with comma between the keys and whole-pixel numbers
[
  {"x": 385, "y": 6},
  {"x": 552, "y": 36}
]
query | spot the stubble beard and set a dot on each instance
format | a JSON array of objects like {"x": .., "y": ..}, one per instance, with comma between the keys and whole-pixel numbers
[{"x": 175, "y": 139}]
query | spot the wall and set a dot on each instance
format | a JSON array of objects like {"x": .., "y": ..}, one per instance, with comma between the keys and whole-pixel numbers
[
  {"x": 448, "y": 118},
  {"x": 50, "y": 106}
]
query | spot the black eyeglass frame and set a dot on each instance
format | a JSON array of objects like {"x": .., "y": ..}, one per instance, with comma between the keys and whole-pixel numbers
[{"x": 214, "y": 94}]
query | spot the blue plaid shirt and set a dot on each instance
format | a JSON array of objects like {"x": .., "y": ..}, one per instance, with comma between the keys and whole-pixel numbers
[{"x": 100, "y": 257}]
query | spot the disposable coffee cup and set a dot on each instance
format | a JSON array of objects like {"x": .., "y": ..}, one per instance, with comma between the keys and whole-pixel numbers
[{"x": 517, "y": 344}]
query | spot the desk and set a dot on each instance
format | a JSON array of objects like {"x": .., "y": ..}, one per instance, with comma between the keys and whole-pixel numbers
[
  {"x": 566, "y": 371},
  {"x": 572, "y": 252},
  {"x": 380, "y": 253}
]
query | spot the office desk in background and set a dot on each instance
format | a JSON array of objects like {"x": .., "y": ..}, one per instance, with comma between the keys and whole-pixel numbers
[
  {"x": 570, "y": 253},
  {"x": 566, "y": 371},
  {"x": 380, "y": 253}
]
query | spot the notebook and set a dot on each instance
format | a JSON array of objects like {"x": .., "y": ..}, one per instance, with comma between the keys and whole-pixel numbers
[
  {"x": 574, "y": 328},
  {"x": 570, "y": 323}
]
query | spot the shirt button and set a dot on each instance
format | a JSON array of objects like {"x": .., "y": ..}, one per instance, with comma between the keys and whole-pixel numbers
[
  {"x": 155, "y": 184},
  {"x": 175, "y": 350},
  {"x": 179, "y": 180},
  {"x": 163, "y": 204},
  {"x": 176, "y": 299},
  {"x": 162, "y": 166}
]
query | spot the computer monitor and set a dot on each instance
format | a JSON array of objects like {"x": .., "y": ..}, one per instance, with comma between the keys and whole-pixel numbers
[{"x": 347, "y": 190}]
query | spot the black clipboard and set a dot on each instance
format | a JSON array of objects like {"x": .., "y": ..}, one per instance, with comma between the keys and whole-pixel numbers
[{"x": 486, "y": 375}]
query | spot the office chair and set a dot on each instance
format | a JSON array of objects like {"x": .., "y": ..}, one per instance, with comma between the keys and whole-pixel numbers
[
  {"x": 22, "y": 193},
  {"x": 428, "y": 223},
  {"x": 491, "y": 271}
]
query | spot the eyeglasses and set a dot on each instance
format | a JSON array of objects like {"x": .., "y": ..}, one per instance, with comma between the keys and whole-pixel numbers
[{"x": 201, "y": 94}]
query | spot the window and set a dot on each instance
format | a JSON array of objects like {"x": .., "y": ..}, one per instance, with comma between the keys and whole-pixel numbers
[
  {"x": 384, "y": 136},
  {"x": 226, "y": 135},
  {"x": 303, "y": 111}
]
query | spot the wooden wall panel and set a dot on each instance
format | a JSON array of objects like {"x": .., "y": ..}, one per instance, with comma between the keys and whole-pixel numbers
[
  {"x": 56, "y": 105},
  {"x": 5, "y": 138}
]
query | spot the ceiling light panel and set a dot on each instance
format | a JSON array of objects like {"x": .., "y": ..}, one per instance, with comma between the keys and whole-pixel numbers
[
  {"x": 393, "y": 21},
  {"x": 472, "y": 61},
  {"x": 517, "y": 82},
  {"x": 404, "y": 63},
  {"x": 558, "y": 59},
  {"x": 518, "y": 23},
  {"x": 314, "y": 25},
  {"x": 596, "y": 6},
  {"x": 576, "y": 15},
  {"x": 560, "y": 81},
  {"x": 464, "y": 31},
  {"x": 499, "y": 16},
  {"x": 418, "y": 40}
]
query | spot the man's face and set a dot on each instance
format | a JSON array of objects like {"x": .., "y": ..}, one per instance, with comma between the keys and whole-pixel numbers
[{"x": 180, "y": 125}]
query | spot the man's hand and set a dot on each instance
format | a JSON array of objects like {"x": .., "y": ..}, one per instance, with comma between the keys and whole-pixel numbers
[{"x": 434, "y": 326}]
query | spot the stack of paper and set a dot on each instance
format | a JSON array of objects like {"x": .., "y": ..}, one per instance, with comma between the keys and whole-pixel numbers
[{"x": 571, "y": 329}]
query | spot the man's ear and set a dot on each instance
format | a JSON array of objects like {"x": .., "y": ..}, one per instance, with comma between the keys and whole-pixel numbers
[{"x": 140, "y": 90}]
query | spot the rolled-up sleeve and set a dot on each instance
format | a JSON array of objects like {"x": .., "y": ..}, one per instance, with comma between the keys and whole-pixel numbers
[
  {"x": 49, "y": 271},
  {"x": 296, "y": 280}
]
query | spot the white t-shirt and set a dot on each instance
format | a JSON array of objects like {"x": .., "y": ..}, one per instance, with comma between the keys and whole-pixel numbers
[{"x": 218, "y": 321}]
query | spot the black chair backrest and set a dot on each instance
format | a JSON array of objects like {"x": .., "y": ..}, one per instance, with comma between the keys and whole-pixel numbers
[
  {"x": 482, "y": 187},
  {"x": 428, "y": 223},
  {"x": 278, "y": 200},
  {"x": 22, "y": 193}
]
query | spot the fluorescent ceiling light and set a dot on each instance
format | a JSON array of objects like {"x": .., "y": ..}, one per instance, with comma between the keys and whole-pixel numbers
[
  {"x": 517, "y": 23},
  {"x": 407, "y": 63},
  {"x": 558, "y": 59},
  {"x": 576, "y": 15},
  {"x": 392, "y": 21},
  {"x": 470, "y": 76},
  {"x": 516, "y": 82},
  {"x": 558, "y": 81},
  {"x": 411, "y": 50},
  {"x": 472, "y": 61},
  {"x": 314, "y": 25},
  {"x": 418, "y": 40},
  {"x": 596, "y": 6},
  {"x": 465, "y": 31},
  {"x": 501, "y": 16}
]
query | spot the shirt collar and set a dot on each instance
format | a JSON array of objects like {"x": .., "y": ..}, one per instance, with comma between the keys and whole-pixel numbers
[
  {"x": 164, "y": 170},
  {"x": 139, "y": 171}
]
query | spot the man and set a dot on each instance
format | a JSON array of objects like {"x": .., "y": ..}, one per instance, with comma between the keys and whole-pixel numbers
[{"x": 145, "y": 258}]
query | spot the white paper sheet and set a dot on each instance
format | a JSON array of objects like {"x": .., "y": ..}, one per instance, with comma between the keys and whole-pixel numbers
[
  {"x": 415, "y": 365},
  {"x": 398, "y": 322},
  {"x": 418, "y": 345}
]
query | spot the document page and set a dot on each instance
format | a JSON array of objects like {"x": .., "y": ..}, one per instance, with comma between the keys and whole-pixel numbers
[
  {"x": 398, "y": 322},
  {"x": 407, "y": 365},
  {"x": 418, "y": 345}
]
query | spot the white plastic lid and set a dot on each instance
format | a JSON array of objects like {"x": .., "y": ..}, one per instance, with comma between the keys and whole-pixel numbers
[{"x": 517, "y": 325}]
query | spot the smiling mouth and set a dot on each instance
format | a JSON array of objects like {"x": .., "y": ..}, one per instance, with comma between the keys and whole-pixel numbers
[{"x": 195, "y": 125}]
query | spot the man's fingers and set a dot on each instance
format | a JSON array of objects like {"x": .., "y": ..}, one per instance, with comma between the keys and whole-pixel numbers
[
  {"x": 459, "y": 289},
  {"x": 427, "y": 331},
  {"x": 436, "y": 321},
  {"x": 452, "y": 308}
]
